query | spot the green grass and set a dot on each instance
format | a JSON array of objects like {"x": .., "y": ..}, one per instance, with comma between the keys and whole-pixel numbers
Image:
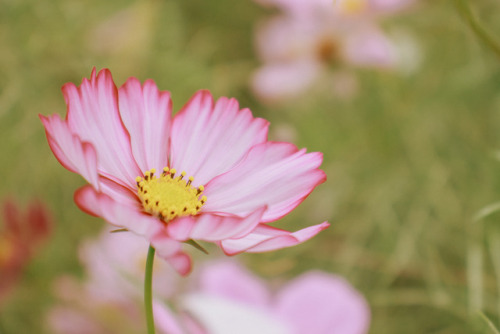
[{"x": 410, "y": 160}]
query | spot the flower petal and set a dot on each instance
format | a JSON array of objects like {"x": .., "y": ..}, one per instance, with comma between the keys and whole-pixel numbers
[
  {"x": 116, "y": 213},
  {"x": 171, "y": 251},
  {"x": 181, "y": 262},
  {"x": 93, "y": 116},
  {"x": 146, "y": 113},
  {"x": 119, "y": 193},
  {"x": 225, "y": 316},
  {"x": 319, "y": 303},
  {"x": 276, "y": 175},
  {"x": 369, "y": 47},
  {"x": 212, "y": 227},
  {"x": 281, "y": 81},
  {"x": 165, "y": 320},
  {"x": 229, "y": 280},
  {"x": 266, "y": 238},
  {"x": 75, "y": 155},
  {"x": 208, "y": 140}
]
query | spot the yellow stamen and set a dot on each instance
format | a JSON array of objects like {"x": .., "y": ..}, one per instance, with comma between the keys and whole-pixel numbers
[
  {"x": 168, "y": 196},
  {"x": 353, "y": 6}
]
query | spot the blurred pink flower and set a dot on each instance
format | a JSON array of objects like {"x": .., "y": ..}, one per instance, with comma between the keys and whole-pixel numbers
[
  {"x": 21, "y": 234},
  {"x": 221, "y": 297},
  {"x": 233, "y": 181},
  {"x": 305, "y": 8},
  {"x": 310, "y": 37},
  {"x": 229, "y": 299},
  {"x": 109, "y": 300},
  {"x": 115, "y": 268}
]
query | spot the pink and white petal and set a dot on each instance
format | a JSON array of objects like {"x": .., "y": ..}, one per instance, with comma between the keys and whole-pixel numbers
[
  {"x": 285, "y": 40},
  {"x": 70, "y": 151},
  {"x": 213, "y": 227},
  {"x": 278, "y": 82},
  {"x": 181, "y": 262},
  {"x": 369, "y": 47},
  {"x": 207, "y": 139},
  {"x": 321, "y": 303},
  {"x": 165, "y": 320},
  {"x": 229, "y": 280},
  {"x": 225, "y": 316},
  {"x": 119, "y": 193},
  {"x": 282, "y": 39},
  {"x": 171, "y": 251},
  {"x": 116, "y": 213},
  {"x": 93, "y": 115},
  {"x": 276, "y": 175},
  {"x": 146, "y": 113},
  {"x": 191, "y": 325},
  {"x": 266, "y": 238}
]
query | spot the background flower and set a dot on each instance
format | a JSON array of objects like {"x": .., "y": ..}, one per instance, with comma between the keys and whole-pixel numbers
[
  {"x": 310, "y": 38},
  {"x": 230, "y": 299},
  {"x": 21, "y": 235},
  {"x": 222, "y": 297}
]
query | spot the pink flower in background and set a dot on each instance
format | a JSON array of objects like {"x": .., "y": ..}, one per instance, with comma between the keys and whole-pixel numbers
[
  {"x": 21, "y": 234},
  {"x": 229, "y": 299},
  {"x": 209, "y": 173},
  {"x": 302, "y": 45},
  {"x": 316, "y": 8},
  {"x": 109, "y": 300},
  {"x": 115, "y": 268},
  {"x": 221, "y": 297}
]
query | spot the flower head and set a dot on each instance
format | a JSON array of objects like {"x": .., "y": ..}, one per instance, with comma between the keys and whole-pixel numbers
[
  {"x": 310, "y": 37},
  {"x": 209, "y": 173}
]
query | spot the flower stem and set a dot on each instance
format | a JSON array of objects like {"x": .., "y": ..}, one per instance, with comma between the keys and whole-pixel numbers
[
  {"x": 148, "y": 293},
  {"x": 473, "y": 22}
]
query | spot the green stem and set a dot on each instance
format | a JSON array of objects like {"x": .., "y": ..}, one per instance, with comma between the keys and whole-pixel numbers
[
  {"x": 473, "y": 22},
  {"x": 148, "y": 291}
]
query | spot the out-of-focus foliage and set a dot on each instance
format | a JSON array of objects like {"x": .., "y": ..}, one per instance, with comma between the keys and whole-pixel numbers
[{"x": 411, "y": 159}]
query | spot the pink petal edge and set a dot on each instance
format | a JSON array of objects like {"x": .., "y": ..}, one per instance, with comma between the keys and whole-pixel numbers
[
  {"x": 71, "y": 152},
  {"x": 212, "y": 227},
  {"x": 266, "y": 238},
  {"x": 318, "y": 302}
]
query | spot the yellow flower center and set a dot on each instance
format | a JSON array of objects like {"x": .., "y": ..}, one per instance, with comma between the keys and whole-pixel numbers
[
  {"x": 353, "y": 6},
  {"x": 168, "y": 196}
]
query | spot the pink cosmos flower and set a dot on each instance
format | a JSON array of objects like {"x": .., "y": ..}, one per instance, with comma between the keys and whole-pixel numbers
[
  {"x": 300, "y": 46},
  {"x": 209, "y": 173}
]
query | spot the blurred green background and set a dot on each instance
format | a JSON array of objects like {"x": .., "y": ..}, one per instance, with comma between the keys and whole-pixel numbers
[{"x": 411, "y": 159}]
